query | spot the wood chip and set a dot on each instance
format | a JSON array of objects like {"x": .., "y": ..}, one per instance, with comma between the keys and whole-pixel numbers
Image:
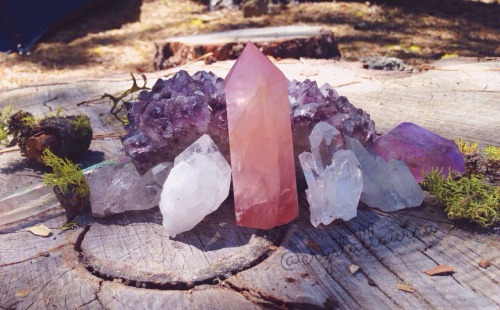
[
  {"x": 404, "y": 287},
  {"x": 314, "y": 245},
  {"x": 22, "y": 293},
  {"x": 484, "y": 263},
  {"x": 40, "y": 230},
  {"x": 353, "y": 268},
  {"x": 440, "y": 270}
]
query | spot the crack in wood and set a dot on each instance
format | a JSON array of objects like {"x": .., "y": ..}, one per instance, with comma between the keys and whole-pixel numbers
[
  {"x": 272, "y": 302},
  {"x": 178, "y": 286},
  {"x": 40, "y": 254}
]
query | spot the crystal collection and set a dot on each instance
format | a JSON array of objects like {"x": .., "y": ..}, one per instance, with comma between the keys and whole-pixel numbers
[{"x": 270, "y": 125}]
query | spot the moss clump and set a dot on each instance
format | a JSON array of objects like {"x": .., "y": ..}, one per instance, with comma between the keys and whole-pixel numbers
[
  {"x": 492, "y": 153},
  {"x": 66, "y": 175},
  {"x": 81, "y": 125},
  {"x": 467, "y": 148},
  {"x": 466, "y": 198},
  {"x": 4, "y": 125}
]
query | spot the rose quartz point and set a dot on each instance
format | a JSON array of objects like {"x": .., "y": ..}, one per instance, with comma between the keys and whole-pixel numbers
[{"x": 260, "y": 140}]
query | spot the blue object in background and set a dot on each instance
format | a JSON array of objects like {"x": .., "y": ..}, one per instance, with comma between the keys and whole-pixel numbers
[{"x": 23, "y": 22}]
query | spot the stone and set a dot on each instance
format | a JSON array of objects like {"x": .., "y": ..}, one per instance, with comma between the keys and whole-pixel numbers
[
  {"x": 420, "y": 149},
  {"x": 118, "y": 187},
  {"x": 252, "y": 8},
  {"x": 260, "y": 138},
  {"x": 196, "y": 186},
  {"x": 177, "y": 111},
  {"x": 386, "y": 186},
  {"x": 333, "y": 177}
]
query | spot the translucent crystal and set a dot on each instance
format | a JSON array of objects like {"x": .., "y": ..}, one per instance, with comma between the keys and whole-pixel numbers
[
  {"x": 333, "y": 177},
  {"x": 386, "y": 186},
  {"x": 325, "y": 140},
  {"x": 260, "y": 136},
  {"x": 420, "y": 149},
  {"x": 118, "y": 188},
  {"x": 197, "y": 185}
]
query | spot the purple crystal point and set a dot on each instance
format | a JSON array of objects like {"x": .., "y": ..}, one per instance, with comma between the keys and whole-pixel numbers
[
  {"x": 420, "y": 149},
  {"x": 177, "y": 111}
]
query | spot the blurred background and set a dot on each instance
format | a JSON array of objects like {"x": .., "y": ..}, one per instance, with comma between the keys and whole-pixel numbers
[{"x": 102, "y": 38}]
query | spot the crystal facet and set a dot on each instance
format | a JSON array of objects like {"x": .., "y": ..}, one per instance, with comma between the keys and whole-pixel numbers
[
  {"x": 260, "y": 137},
  {"x": 119, "y": 187},
  {"x": 196, "y": 186},
  {"x": 420, "y": 149},
  {"x": 333, "y": 176},
  {"x": 386, "y": 186}
]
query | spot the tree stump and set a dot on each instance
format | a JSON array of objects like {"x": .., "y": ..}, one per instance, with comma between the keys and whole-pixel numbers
[
  {"x": 279, "y": 42},
  {"x": 125, "y": 260}
]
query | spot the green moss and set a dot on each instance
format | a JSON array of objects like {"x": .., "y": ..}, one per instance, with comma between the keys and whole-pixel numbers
[
  {"x": 66, "y": 175},
  {"x": 492, "y": 152},
  {"x": 29, "y": 121},
  {"x": 4, "y": 126},
  {"x": 467, "y": 197},
  {"x": 69, "y": 225},
  {"x": 467, "y": 148},
  {"x": 81, "y": 124}
]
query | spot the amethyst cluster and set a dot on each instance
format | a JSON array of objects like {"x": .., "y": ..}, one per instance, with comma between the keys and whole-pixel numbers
[
  {"x": 177, "y": 111},
  {"x": 311, "y": 105}
]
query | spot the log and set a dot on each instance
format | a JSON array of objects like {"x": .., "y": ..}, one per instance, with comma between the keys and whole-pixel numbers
[
  {"x": 279, "y": 42},
  {"x": 125, "y": 261}
]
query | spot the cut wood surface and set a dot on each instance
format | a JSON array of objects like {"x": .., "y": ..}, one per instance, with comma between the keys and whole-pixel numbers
[
  {"x": 279, "y": 42},
  {"x": 125, "y": 261}
]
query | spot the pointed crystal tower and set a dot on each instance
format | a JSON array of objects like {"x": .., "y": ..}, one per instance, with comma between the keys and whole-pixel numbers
[{"x": 260, "y": 140}]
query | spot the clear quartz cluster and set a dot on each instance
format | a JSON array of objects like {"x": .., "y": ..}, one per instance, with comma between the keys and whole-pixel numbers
[
  {"x": 333, "y": 177},
  {"x": 387, "y": 186},
  {"x": 196, "y": 186},
  {"x": 177, "y": 111},
  {"x": 118, "y": 187},
  {"x": 339, "y": 173}
]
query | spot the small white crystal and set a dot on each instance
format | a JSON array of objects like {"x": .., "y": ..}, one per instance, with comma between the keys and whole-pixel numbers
[
  {"x": 386, "y": 186},
  {"x": 333, "y": 177},
  {"x": 116, "y": 188},
  {"x": 196, "y": 186},
  {"x": 325, "y": 140}
]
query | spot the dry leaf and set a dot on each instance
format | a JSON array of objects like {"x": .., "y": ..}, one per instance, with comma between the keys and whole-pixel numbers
[
  {"x": 440, "y": 270},
  {"x": 40, "y": 230},
  {"x": 22, "y": 293},
  {"x": 404, "y": 287},
  {"x": 484, "y": 263},
  {"x": 353, "y": 268}
]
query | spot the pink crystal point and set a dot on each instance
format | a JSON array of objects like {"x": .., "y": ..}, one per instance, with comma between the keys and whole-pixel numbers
[{"x": 260, "y": 140}]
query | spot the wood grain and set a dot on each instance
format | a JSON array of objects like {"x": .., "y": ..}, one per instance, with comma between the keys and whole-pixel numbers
[{"x": 125, "y": 261}]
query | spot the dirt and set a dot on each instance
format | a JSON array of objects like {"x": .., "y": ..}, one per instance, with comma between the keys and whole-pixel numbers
[{"x": 119, "y": 38}]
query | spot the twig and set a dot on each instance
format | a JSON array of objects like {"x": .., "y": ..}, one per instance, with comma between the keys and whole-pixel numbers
[
  {"x": 10, "y": 149},
  {"x": 106, "y": 135}
]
